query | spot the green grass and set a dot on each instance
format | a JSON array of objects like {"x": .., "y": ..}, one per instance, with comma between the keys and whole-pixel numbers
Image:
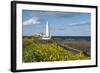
[{"x": 42, "y": 51}]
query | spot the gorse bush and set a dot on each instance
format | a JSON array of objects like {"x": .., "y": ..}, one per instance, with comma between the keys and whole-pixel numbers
[{"x": 35, "y": 50}]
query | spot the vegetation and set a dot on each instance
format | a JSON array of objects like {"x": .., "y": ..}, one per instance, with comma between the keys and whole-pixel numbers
[{"x": 35, "y": 50}]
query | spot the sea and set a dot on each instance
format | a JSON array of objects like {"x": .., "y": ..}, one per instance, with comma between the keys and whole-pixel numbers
[{"x": 88, "y": 38}]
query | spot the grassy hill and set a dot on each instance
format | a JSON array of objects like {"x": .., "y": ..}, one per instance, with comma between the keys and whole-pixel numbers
[{"x": 35, "y": 50}]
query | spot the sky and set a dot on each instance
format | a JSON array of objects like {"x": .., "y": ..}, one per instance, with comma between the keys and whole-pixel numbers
[{"x": 60, "y": 23}]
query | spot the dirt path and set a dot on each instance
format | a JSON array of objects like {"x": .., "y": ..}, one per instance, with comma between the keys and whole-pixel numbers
[{"x": 67, "y": 47}]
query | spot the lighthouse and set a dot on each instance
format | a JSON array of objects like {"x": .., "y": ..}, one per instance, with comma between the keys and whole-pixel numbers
[
  {"x": 47, "y": 32},
  {"x": 47, "y": 29}
]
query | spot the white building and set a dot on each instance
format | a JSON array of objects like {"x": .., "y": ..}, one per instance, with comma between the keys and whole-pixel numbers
[{"x": 47, "y": 33}]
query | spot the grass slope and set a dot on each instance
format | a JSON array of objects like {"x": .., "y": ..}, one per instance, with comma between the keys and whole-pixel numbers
[{"x": 41, "y": 51}]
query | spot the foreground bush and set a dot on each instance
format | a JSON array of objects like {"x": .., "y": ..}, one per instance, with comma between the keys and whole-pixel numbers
[{"x": 41, "y": 51}]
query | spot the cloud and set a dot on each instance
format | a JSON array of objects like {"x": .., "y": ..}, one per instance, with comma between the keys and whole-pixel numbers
[
  {"x": 80, "y": 23},
  {"x": 57, "y": 14},
  {"x": 33, "y": 20},
  {"x": 57, "y": 28}
]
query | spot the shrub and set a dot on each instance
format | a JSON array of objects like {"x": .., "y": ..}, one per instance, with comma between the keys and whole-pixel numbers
[{"x": 37, "y": 51}]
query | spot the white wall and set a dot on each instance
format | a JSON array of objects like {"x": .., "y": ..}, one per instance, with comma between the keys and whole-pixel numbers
[{"x": 5, "y": 37}]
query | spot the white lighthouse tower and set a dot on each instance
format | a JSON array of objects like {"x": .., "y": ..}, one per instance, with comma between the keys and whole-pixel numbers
[
  {"x": 47, "y": 29},
  {"x": 47, "y": 33}
]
